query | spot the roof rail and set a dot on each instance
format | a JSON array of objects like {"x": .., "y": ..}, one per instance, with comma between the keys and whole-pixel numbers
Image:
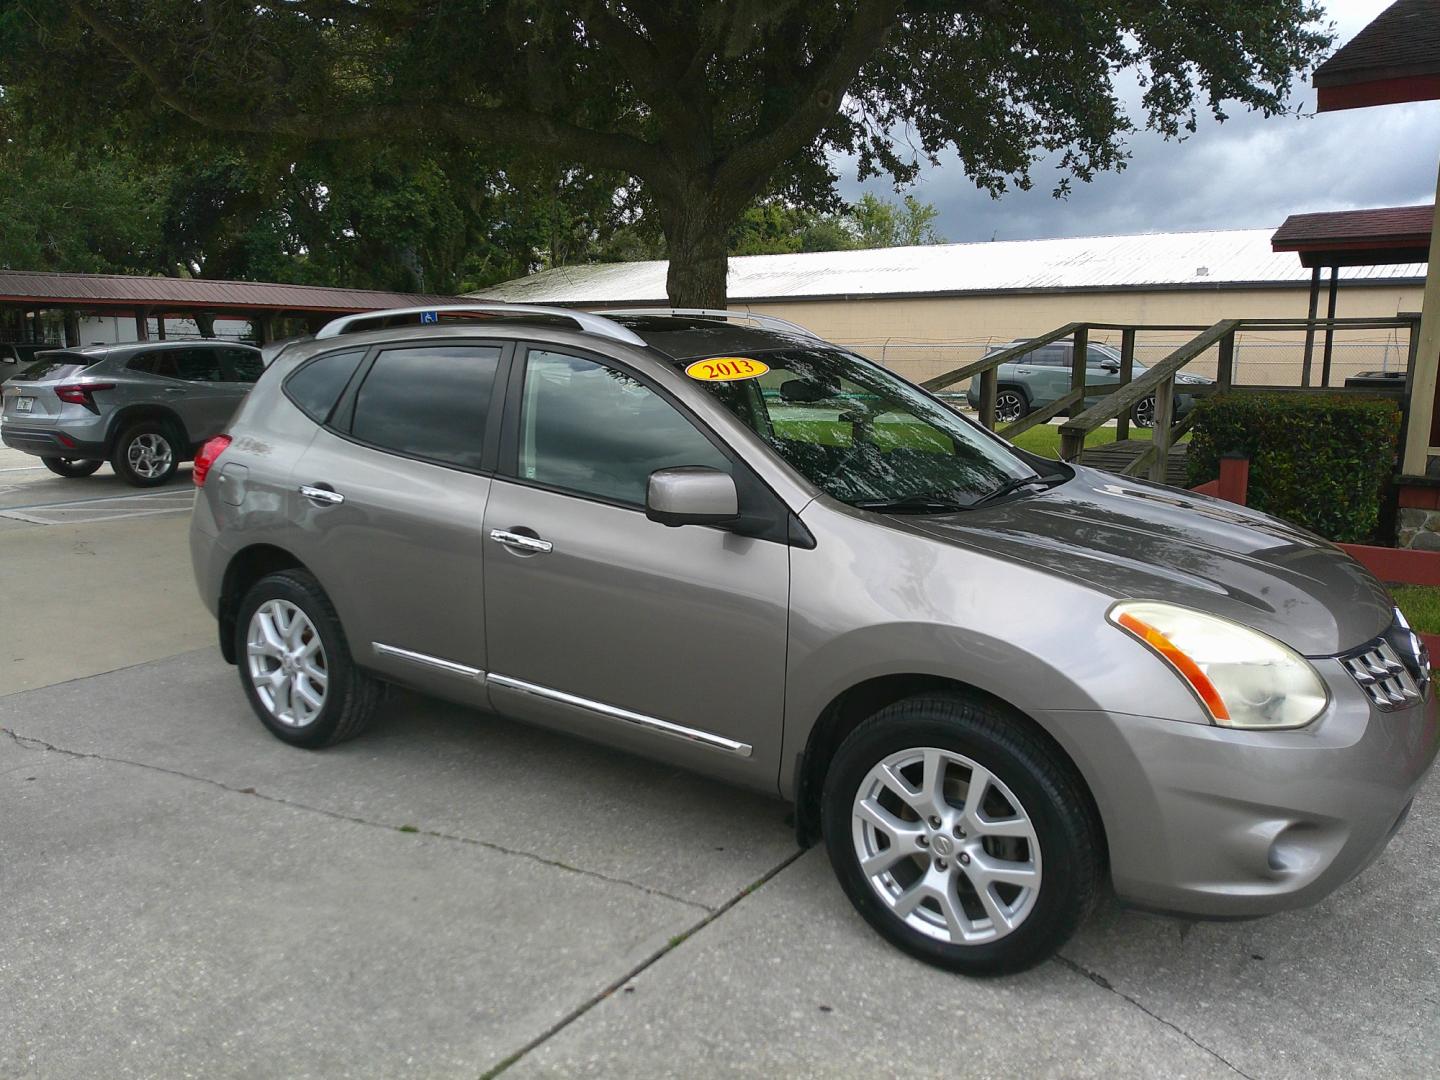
[
  {"x": 770, "y": 322},
  {"x": 584, "y": 320}
]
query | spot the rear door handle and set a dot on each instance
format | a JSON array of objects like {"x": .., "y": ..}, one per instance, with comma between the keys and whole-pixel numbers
[
  {"x": 520, "y": 542},
  {"x": 321, "y": 495}
]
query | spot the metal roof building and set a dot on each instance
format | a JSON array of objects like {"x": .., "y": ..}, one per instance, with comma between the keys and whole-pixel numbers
[{"x": 1239, "y": 258}]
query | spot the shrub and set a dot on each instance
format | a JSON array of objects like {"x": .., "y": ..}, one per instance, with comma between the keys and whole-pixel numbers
[{"x": 1322, "y": 461}]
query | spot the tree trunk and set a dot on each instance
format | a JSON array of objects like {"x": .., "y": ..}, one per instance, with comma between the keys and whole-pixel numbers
[{"x": 695, "y": 233}]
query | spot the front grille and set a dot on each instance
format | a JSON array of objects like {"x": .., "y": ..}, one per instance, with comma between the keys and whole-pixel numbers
[{"x": 1382, "y": 675}]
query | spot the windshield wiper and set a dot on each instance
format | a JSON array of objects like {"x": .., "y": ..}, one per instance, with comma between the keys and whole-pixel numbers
[
  {"x": 913, "y": 504},
  {"x": 1013, "y": 485}
]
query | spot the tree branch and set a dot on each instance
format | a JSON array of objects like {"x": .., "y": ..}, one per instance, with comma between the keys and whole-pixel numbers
[
  {"x": 757, "y": 159},
  {"x": 511, "y": 127}
]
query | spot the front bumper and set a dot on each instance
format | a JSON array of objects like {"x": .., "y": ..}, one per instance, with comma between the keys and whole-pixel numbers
[{"x": 1205, "y": 821}]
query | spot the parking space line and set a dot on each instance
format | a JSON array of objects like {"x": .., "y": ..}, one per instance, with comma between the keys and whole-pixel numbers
[
  {"x": 96, "y": 499},
  {"x": 106, "y": 508}
]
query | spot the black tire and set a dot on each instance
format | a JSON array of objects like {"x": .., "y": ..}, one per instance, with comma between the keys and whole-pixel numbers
[
  {"x": 156, "y": 433},
  {"x": 350, "y": 695},
  {"x": 73, "y": 468},
  {"x": 1018, "y": 402},
  {"x": 1071, "y": 851}
]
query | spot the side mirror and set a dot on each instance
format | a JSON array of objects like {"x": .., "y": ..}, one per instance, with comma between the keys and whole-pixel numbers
[
  {"x": 691, "y": 495},
  {"x": 1111, "y": 366}
]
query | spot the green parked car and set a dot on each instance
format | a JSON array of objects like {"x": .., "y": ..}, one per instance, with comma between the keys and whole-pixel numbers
[{"x": 1040, "y": 377}]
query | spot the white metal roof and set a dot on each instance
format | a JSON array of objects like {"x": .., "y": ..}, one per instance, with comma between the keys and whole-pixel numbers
[{"x": 1147, "y": 260}]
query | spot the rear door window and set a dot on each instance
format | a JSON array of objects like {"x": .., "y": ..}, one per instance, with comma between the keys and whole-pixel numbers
[
  {"x": 199, "y": 365},
  {"x": 241, "y": 365},
  {"x": 429, "y": 402}
]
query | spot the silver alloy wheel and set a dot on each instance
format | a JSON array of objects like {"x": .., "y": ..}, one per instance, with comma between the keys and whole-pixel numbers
[
  {"x": 286, "y": 661},
  {"x": 946, "y": 846},
  {"x": 1144, "y": 413},
  {"x": 1009, "y": 406},
  {"x": 149, "y": 455}
]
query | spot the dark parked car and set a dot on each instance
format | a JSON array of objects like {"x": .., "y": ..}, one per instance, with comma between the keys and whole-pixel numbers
[{"x": 15, "y": 357}]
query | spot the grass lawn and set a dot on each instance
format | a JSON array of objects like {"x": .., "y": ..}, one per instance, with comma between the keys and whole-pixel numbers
[
  {"x": 1044, "y": 440},
  {"x": 1421, "y": 605}
]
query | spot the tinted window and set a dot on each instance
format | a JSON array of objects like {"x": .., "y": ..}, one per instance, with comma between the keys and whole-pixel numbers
[
  {"x": 318, "y": 385},
  {"x": 1049, "y": 356},
  {"x": 241, "y": 365},
  {"x": 428, "y": 402},
  {"x": 595, "y": 430},
  {"x": 199, "y": 365}
]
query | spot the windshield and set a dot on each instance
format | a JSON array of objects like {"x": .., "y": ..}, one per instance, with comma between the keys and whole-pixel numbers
[{"x": 864, "y": 435}]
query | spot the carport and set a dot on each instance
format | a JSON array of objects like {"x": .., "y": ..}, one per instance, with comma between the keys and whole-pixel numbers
[
  {"x": 29, "y": 301},
  {"x": 1395, "y": 59}
]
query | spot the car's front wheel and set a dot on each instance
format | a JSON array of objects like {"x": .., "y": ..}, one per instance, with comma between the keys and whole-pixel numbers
[
  {"x": 73, "y": 468},
  {"x": 960, "y": 835},
  {"x": 295, "y": 663}
]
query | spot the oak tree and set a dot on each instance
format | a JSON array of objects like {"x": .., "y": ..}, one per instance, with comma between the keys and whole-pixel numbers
[{"x": 707, "y": 104}]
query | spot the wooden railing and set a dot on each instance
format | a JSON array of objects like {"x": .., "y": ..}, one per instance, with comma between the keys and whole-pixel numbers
[{"x": 1119, "y": 399}]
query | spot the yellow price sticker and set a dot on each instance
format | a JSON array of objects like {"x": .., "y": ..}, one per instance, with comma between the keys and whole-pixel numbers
[{"x": 726, "y": 369}]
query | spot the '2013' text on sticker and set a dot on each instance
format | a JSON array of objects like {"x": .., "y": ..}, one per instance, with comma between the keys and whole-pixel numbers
[{"x": 726, "y": 369}]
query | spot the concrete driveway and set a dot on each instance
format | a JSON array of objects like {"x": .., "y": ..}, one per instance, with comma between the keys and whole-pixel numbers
[{"x": 453, "y": 895}]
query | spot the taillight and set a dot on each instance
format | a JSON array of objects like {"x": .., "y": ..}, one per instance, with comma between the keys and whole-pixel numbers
[
  {"x": 81, "y": 393},
  {"x": 212, "y": 449}
]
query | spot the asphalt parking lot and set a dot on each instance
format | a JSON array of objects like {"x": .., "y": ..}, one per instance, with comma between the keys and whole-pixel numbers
[{"x": 453, "y": 895}]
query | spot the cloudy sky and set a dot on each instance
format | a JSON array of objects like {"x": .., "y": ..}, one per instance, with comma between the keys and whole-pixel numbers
[{"x": 1249, "y": 172}]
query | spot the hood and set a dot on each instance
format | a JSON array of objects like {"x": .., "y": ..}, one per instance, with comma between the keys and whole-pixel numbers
[{"x": 1134, "y": 540}]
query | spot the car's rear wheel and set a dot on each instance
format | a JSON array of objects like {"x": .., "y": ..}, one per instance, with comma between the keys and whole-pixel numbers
[
  {"x": 1143, "y": 415},
  {"x": 295, "y": 663},
  {"x": 70, "y": 467},
  {"x": 146, "y": 454},
  {"x": 1010, "y": 405},
  {"x": 960, "y": 835}
]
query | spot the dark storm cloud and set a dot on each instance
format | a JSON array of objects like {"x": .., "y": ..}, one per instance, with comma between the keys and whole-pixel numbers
[{"x": 1249, "y": 172}]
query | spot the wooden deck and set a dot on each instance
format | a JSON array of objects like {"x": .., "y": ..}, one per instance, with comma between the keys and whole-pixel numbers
[{"x": 1113, "y": 457}]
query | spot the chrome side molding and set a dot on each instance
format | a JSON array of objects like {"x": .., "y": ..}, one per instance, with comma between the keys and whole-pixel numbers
[
  {"x": 613, "y": 712},
  {"x": 426, "y": 660}
]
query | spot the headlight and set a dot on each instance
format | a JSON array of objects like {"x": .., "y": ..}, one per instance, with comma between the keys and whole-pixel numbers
[{"x": 1243, "y": 678}]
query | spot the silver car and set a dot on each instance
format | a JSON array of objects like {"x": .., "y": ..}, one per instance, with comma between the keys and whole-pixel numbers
[
  {"x": 1042, "y": 375},
  {"x": 144, "y": 407},
  {"x": 989, "y": 682}
]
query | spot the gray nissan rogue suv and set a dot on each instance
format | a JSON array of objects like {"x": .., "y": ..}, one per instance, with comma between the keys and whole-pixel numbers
[{"x": 988, "y": 681}]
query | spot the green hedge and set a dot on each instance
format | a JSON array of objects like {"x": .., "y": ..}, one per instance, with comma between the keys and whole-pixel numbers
[{"x": 1322, "y": 461}]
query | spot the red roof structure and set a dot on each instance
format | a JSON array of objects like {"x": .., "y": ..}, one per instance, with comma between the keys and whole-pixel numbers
[
  {"x": 95, "y": 291},
  {"x": 1391, "y": 234},
  {"x": 1395, "y": 58}
]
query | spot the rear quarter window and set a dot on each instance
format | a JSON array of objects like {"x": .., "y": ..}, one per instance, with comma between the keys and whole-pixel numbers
[{"x": 318, "y": 384}]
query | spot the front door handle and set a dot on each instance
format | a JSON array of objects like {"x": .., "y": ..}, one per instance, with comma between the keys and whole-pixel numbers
[
  {"x": 321, "y": 495},
  {"x": 520, "y": 542}
]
